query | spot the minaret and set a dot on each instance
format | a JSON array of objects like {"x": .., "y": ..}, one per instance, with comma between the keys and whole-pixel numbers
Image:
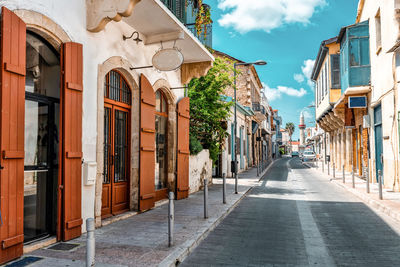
[{"x": 302, "y": 127}]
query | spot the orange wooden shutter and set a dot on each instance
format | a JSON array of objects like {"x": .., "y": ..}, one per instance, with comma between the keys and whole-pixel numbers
[
  {"x": 183, "y": 148},
  {"x": 147, "y": 144},
  {"x": 72, "y": 139},
  {"x": 12, "y": 129}
]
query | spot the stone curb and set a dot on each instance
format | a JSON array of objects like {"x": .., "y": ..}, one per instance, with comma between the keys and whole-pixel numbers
[
  {"x": 375, "y": 204},
  {"x": 184, "y": 250}
]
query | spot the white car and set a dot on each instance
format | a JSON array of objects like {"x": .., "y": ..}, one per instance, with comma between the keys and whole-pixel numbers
[{"x": 308, "y": 156}]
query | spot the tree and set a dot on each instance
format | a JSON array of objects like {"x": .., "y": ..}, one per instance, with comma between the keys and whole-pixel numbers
[
  {"x": 208, "y": 110},
  {"x": 290, "y": 128}
]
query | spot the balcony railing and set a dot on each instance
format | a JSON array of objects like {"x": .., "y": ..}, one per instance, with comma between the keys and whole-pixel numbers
[
  {"x": 187, "y": 15},
  {"x": 205, "y": 39},
  {"x": 258, "y": 107}
]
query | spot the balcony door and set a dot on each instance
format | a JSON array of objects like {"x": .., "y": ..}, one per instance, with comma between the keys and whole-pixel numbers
[{"x": 115, "y": 194}]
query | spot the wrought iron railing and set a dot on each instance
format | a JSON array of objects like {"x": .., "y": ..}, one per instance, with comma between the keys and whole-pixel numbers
[
  {"x": 205, "y": 36},
  {"x": 186, "y": 14},
  {"x": 258, "y": 107}
]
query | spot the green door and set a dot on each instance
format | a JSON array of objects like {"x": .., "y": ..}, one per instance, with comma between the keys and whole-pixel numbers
[{"x": 378, "y": 140}]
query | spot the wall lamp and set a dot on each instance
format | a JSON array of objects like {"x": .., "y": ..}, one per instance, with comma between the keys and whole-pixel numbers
[{"x": 137, "y": 39}]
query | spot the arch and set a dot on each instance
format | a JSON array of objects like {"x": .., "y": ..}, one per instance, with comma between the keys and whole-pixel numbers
[
  {"x": 164, "y": 87},
  {"x": 44, "y": 26},
  {"x": 122, "y": 65}
]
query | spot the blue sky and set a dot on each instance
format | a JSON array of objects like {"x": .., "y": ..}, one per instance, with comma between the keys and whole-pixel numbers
[{"x": 287, "y": 34}]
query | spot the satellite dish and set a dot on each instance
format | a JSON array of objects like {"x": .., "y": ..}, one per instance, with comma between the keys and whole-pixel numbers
[{"x": 167, "y": 59}]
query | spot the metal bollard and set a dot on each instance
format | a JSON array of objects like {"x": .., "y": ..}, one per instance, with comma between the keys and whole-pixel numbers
[
  {"x": 90, "y": 242},
  {"x": 323, "y": 165},
  {"x": 171, "y": 218},
  {"x": 205, "y": 198},
  {"x": 366, "y": 175},
  {"x": 328, "y": 168},
  {"x": 344, "y": 175},
  {"x": 352, "y": 178},
  {"x": 236, "y": 183},
  {"x": 258, "y": 171},
  {"x": 380, "y": 184},
  {"x": 333, "y": 170},
  {"x": 223, "y": 188}
]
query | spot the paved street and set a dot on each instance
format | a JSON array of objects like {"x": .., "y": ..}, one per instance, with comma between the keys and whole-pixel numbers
[{"x": 294, "y": 217}]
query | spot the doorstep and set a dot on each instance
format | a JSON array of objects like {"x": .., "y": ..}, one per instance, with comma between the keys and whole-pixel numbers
[{"x": 40, "y": 244}]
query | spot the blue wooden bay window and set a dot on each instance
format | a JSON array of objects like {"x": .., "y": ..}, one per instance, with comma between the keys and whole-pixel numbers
[{"x": 355, "y": 65}]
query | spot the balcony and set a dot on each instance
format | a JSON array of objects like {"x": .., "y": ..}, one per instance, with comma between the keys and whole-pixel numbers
[
  {"x": 205, "y": 39},
  {"x": 187, "y": 15},
  {"x": 259, "y": 108}
]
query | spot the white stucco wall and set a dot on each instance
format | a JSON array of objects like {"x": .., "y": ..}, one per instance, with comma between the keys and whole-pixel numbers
[
  {"x": 383, "y": 83},
  {"x": 97, "y": 48},
  {"x": 200, "y": 167}
]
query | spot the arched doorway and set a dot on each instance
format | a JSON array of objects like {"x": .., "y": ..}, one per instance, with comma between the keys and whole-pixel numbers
[
  {"x": 161, "y": 126},
  {"x": 42, "y": 136},
  {"x": 117, "y": 106}
]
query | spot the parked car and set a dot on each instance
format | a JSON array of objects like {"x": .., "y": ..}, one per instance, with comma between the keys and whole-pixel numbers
[
  {"x": 308, "y": 156},
  {"x": 295, "y": 154}
]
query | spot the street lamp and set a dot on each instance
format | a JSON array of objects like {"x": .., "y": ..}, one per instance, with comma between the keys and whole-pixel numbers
[{"x": 258, "y": 63}]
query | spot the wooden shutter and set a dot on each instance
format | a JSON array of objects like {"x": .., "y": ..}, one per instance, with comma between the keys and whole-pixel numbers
[
  {"x": 12, "y": 128},
  {"x": 183, "y": 148},
  {"x": 147, "y": 144},
  {"x": 335, "y": 71},
  {"x": 71, "y": 105}
]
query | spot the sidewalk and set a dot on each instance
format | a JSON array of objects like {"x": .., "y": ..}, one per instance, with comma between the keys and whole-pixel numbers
[
  {"x": 390, "y": 205},
  {"x": 142, "y": 240}
]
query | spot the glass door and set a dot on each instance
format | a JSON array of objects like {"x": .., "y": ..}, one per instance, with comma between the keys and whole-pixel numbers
[{"x": 40, "y": 166}]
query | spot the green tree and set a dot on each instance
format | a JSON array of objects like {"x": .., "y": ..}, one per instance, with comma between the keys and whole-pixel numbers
[
  {"x": 290, "y": 128},
  {"x": 208, "y": 110}
]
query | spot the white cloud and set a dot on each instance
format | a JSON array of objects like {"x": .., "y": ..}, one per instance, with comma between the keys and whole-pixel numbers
[
  {"x": 307, "y": 115},
  {"x": 266, "y": 15},
  {"x": 277, "y": 93},
  {"x": 307, "y": 71},
  {"x": 298, "y": 77}
]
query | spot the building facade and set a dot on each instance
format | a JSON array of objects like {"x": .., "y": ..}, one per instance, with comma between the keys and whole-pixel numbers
[{"x": 86, "y": 118}]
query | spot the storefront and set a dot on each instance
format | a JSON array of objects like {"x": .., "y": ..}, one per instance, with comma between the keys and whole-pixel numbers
[{"x": 77, "y": 143}]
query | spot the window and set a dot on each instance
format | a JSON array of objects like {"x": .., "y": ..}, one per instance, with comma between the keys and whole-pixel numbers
[
  {"x": 161, "y": 121},
  {"x": 116, "y": 88},
  {"x": 359, "y": 52},
  {"x": 378, "y": 31},
  {"x": 335, "y": 71}
]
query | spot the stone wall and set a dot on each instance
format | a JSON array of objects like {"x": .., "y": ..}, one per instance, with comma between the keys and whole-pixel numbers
[{"x": 200, "y": 167}]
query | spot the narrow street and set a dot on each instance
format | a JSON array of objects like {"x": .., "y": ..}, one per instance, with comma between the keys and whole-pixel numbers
[{"x": 296, "y": 218}]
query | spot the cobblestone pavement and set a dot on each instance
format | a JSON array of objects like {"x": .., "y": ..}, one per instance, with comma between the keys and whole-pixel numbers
[{"x": 295, "y": 217}]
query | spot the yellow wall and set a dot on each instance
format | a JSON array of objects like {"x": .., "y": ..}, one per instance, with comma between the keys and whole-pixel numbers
[{"x": 335, "y": 95}]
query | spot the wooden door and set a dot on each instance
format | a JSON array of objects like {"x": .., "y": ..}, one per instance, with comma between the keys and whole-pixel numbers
[
  {"x": 71, "y": 106},
  {"x": 117, "y": 105},
  {"x": 147, "y": 145},
  {"x": 115, "y": 196},
  {"x": 12, "y": 103},
  {"x": 183, "y": 148}
]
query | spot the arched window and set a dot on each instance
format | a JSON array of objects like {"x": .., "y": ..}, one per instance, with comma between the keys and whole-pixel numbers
[
  {"x": 116, "y": 88},
  {"x": 161, "y": 141}
]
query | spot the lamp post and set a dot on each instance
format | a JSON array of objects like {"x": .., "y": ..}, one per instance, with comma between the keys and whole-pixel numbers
[{"x": 259, "y": 63}]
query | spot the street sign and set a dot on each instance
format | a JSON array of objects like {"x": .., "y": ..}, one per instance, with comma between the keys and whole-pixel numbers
[{"x": 357, "y": 101}]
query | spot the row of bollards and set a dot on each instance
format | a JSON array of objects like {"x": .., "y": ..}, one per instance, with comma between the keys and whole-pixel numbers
[{"x": 365, "y": 172}]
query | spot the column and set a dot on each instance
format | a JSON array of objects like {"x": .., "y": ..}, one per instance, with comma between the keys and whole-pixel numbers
[
  {"x": 349, "y": 150},
  {"x": 344, "y": 151}
]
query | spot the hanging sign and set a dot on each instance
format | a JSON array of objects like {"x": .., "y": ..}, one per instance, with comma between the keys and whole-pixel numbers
[{"x": 167, "y": 59}]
